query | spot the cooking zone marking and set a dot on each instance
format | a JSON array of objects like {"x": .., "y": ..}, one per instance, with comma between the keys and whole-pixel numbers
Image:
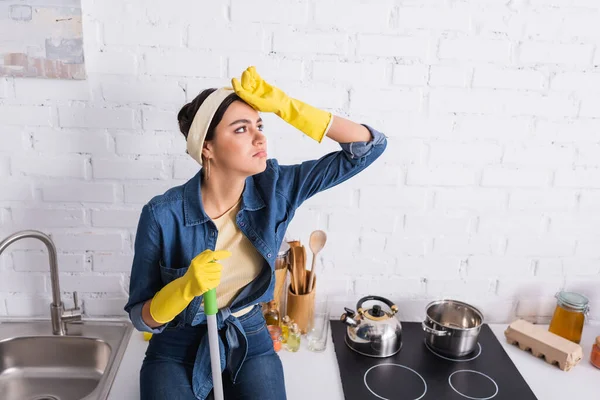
[
  {"x": 396, "y": 365},
  {"x": 455, "y": 359},
  {"x": 475, "y": 372}
]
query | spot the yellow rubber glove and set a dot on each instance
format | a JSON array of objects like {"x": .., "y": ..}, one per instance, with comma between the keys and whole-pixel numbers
[
  {"x": 267, "y": 98},
  {"x": 203, "y": 275}
]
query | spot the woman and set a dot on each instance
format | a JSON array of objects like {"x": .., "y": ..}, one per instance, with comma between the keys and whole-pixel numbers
[{"x": 239, "y": 204}]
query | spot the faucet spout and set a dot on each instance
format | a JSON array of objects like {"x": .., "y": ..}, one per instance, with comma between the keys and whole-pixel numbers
[{"x": 58, "y": 313}]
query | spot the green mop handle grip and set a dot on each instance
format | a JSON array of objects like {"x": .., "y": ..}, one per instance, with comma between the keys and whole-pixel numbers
[{"x": 210, "y": 302}]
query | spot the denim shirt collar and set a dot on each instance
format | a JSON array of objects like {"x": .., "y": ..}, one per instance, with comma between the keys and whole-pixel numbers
[{"x": 193, "y": 211}]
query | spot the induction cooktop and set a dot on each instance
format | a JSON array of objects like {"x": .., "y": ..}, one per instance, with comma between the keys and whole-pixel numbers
[{"x": 418, "y": 372}]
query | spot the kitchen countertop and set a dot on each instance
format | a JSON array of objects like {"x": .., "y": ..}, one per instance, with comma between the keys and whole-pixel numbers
[{"x": 321, "y": 376}]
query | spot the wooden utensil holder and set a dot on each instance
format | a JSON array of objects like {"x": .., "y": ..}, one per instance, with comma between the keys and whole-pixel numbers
[
  {"x": 280, "y": 280},
  {"x": 300, "y": 307}
]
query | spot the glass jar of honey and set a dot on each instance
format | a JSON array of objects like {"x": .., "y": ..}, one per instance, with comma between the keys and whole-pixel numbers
[{"x": 569, "y": 315}]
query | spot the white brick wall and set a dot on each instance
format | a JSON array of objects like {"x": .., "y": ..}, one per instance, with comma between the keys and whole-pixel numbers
[{"x": 489, "y": 190}]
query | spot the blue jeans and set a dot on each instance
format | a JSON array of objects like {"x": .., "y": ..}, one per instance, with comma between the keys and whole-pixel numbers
[{"x": 167, "y": 368}]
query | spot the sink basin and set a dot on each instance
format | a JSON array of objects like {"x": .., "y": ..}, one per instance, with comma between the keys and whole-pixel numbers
[{"x": 36, "y": 365}]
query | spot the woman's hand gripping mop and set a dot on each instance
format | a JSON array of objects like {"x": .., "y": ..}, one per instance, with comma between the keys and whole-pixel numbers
[{"x": 201, "y": 278}]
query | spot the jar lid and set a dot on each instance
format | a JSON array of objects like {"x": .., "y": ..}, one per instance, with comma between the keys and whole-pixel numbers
[
  {"x": 573, "y": 300},
  {"x": 283, "y": 249}
]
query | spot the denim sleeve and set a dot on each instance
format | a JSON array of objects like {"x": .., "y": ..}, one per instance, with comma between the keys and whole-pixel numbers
[
  {"x": 145, "y": 272},
  {"x": 302, "y": 181}
]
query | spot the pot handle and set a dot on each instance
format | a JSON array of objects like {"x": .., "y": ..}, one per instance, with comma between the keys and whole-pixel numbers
[
  {"x": 434, "y": 332},
  {"x": 383, "y": 300}
]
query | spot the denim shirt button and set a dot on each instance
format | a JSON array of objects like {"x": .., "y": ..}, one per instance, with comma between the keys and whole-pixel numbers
[
  {"x": 242, "y": 224},
  {"x": 269, "y": 255}
]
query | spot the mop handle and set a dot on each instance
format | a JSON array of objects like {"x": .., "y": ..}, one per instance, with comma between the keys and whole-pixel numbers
[{"x": 210, "y": 309}]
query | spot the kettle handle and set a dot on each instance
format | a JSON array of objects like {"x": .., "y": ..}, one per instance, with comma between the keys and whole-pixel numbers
[{"x": 385, "y": 301}]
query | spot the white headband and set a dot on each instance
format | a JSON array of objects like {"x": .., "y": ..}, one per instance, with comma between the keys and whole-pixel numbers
[{"x": 202, "y": 119}]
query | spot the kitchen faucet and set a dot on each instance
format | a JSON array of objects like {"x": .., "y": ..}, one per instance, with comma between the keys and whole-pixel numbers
[{"x": 59, "y": 315}]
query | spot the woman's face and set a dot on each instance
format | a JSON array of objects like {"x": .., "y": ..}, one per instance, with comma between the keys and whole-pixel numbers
[{"x": 238, "y": 146}]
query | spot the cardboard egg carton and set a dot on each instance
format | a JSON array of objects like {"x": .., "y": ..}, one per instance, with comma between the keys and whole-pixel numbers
[{"x": 542, "y": 343}]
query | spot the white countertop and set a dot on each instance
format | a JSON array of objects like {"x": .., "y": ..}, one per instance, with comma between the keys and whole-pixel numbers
[{"x": 316, "y": 375}]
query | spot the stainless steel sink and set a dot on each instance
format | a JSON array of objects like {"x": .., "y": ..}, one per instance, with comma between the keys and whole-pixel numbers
[{"x": 37, "y": 365}]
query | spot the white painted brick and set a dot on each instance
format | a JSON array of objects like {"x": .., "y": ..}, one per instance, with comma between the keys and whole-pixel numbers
[
  {"x": 13, "y": 139},
  {"x": 72, "y": 167},
  {"x": 578, "y": 177},
  {"x": 34, "y": 90},
  {"x": 575, "y": 225},
  {"x": 511, "y": 225},
  {"x": 475, "y": 49},
  {"x": 549, "y": 267},
  {"x": 438, "y": 18},
  {"x": 543, "y": 24},
  {"x": 459, "y": 288},
  {"x": 129, "y": 169},
  {"x": 182, "y": 62},
  {"x": 463, "y": 101},
  {"x": 271, "y": 68},
  {"x": 547, "y": 246},
  {"x": 551, "y": 156},
  {"x": 520, "y": 286},
  {"x": 88, "y": 241},
  {"x": 115, "y": 218},
  {"x": 385, "y": 175},
  {"x": 432, "y": 224},
  {"x": 142, "y": 34},
  {"x": 288, "y": 13},
  {"x": 504, "y": 78},
  {"x": 29, "y": 261},
  {"x": 22, "y": 282},
  {"x": 535, "y": 309},
  {"x": 515, "y": 177},
  {"x": 588, "y": 247},
  {"x": 90, "y": 283},
  {"x": 503, "y": 267},
  {"x": 464, "y": 153},
  {"x": 4, "y": 166},
  {"x": 194, "y": 13},
  {"x": 144, "y": 92},
  {"x": 185, "y": 168},
  {"x": 407, "y": 248},
  {"x": 580, "y": 81},
  {"x": 297, "y": 42},
  {"x": 404, "y": 152},
  {"x": 160, "y": 120},
  {"x": 346, "y": 263},
  {"x": 334, "y": 285},
  {"x": 105, "y": 306},
  {"x": 393, "y": 46},
  {"x": 403, "y": 198},
  {"x": 480, "y": 200},
  {"x": 319, "y": 96},
  {"x": 29, "y": 306},
  {"x": 3, "y": 93},
  {"x": 589, "y": 200},
  {"x": 140, "y": 194},
  {"x": 410, "y": 75},
  {"x": 582, "y": 25},
  {"x": 542, "y": 200},
  {"x": 350, "y": 73},
  {"x": 581, "y": 266},
  {"x": 488, "y": 127},
  {"x": 16, "y": 191},
  {"x": 26, "y": 115},
  {"x": 588, "y": 156},
  {"x": 110, "y": 61},
  {"x": 79, "y": 192},
  {"x": 587, "y": 286},
  {"x": 440, "y": 176},
  {"x": 385, "y": 100},
  {"x": 372, "y": 242},
  {"x": 28, "y": 218},
  {"x": 467, "y": 246},
  {"x": 496, "y": 20},
  {"x": 369, "y": 220},
  {"x": 144, "y": 144},
  {"x": 103, "y": 118},
  {"x": 574, "y": 131},
  {"x": 449, "y": 75},
  {"x": 551, "y": 106},
  {"x": 80, "y": 141},
  {"x": 236, "y": 37},
  {"x": 555, "y": 53},
  {"x": 409, "y": 287},
  {"x": 589, "y": 106},
  {"x": 107, "y": 262}
]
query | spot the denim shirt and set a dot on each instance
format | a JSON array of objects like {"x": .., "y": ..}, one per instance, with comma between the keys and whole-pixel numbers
[{"x": 174, "y": 228}]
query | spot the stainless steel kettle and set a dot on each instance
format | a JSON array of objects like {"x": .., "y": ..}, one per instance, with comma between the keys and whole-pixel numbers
[{"x": 373, "y": 332}]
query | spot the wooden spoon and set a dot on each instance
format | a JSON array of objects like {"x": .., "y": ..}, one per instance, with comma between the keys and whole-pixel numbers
[{"x": 316, "y": 242}]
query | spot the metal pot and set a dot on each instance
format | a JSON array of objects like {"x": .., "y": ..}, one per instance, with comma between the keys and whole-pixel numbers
[{"x": 452, "y": 327}]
